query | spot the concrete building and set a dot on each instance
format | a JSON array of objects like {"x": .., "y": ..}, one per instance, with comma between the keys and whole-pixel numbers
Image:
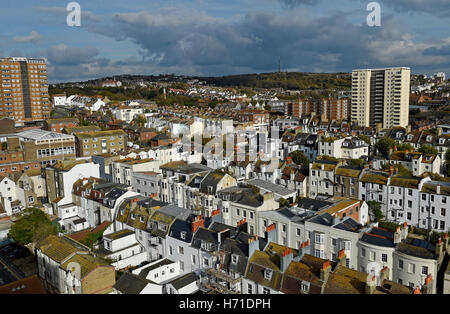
[
  {"x": 381, "y": 96},
  {"x": 100, "y": 142},
  {"x": 24, "y": 90}
]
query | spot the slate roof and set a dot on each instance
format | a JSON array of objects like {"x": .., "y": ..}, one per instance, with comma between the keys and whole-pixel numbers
[
  {"x": 130, "y": 283},
  {"x": 183, "y": 281},
  {"x": 379, "y": 236},
  {"x": 418, "y": 248},
  {"x": 312, "y": 204},
  {"x": 278, "y": 189},
  {"x": 144, "y": 272}
]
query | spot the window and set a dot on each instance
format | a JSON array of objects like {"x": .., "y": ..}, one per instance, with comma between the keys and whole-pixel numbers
[
  {"x": 384, "y": 257},
  {"x": 181, "y": 266},
  {"x": 400, "y": 264},
  {"x": 411, "y": 268},
  {"x": 363, "y": 252},
  {"x": 193, "y": 259},
  {"x": 180, "y": 250},
  {"x": 424, "y": 197},
  {"x": 443, "y": 212},
  {"x": 424, "y": 270},
  {"x": 170, "y": 250},
  {"x": 373, "y": 256},
  {"x": 265, "y": 291},
  {"x": 298, "y": 232},
  {"x": 234, "y": 259},
  {"x": 249, "y": 289},
  {"x": 268, "y": 274},
  {"x": 205, "y": 262}
]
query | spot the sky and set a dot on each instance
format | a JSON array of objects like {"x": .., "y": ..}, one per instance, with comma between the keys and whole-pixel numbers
[{"x": 225, "y": 37}]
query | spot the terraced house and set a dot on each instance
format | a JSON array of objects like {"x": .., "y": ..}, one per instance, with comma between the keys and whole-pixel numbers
[
  {"x": 67, "y": 267},
  {"x": 100, "y": 142}
]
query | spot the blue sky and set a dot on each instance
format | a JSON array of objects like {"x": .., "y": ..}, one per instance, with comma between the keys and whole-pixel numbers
[{"x": 222, "y": 37}]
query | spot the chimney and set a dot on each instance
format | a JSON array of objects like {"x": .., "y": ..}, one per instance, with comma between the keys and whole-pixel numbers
[
  {"x": 446, "y": 241},
  {"x": 253, "y": 246},
  {"x": 371, "y": 284},
  {"x": 384, "y": 274},
  {"x": 439, "y": 131},
  {"x": 304, "y": 249},
  {"x": 197, "y": 223},
  {"x": 342, "y": 258},
  {"x": 417, "y": 290},
  {"x": 286, "y": 259},
  {"x": 216, "y": 216},
  {"x": 242, "y": 225},
  {"x": 427, "y": 288},
  {"x": 325, "y": 270},
  {"x": 438, "y": 188},
  {"x": 439, "y": 245},
  {"x": 292, "y": 175},
  {"x": 288, "y": 160},
  {"x": 271, "y": 234},
  {"x": 391, "y": 171},
  {"x": 404, "y": 231},
  {"x": 397, "y": 236}
]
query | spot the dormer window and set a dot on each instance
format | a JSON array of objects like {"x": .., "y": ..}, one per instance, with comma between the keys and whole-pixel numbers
[
  {"x": 183, "y": 235},
  {"x": 304, "y": 287},
  {"x": 234, "y": 259},
  {"x": 133, "y": 216},
  {"x": 410, "y": 137},
  {"x": 441, "y": 141},
  {"x": 141, "y": 218},
  {"x": 268, "y": 274},
  {"x": 429, "y": 137}
]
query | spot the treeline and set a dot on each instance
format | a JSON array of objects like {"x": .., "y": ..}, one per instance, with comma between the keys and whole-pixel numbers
[
  {"x": 288, "y": 80},
  {"x": 113, "y": 93}
]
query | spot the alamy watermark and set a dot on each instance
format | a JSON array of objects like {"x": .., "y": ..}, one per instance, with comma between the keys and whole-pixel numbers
[
  {"x": 374, "y": 17},
  {"x": 74, "y": 17}
]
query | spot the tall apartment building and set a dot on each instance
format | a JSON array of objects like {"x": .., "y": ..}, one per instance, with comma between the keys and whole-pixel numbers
[
  {"x": 381, "y": 96},
  {"x": 24, "y": 90}
]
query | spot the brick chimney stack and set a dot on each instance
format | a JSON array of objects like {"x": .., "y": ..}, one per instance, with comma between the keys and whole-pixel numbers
[
  {"x": 384, "y": 274},
  {"x": 197, "y": 223},
  {"x": 325, "y": 270},
  {"x": 342, "y": 258},
  {"x": 428, "y": 286},
  {"x": 286, "y": 259},
  {"x": 439, "y": 246},
  {"x": 371, "y": 284},
  {"x": 397, "y": 235},
  {"x": 288, "y": 160}
]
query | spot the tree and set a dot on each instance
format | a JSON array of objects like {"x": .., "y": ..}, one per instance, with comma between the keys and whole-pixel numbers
[
  {"x": 375, "y": 209},
  {"x": 139, "y": 120},
  {"x": 33, "y": 225},
  {"x": 404, "y": 147},
  {"x": 364, "y": 138},
  {"x": 357, "y": 163},
  {"x": 447, "y": 162},
  {"x": 299, "y": 158},
  {"x": 283, "y": 202},
  {"x": 384, "y": 144},
  {"x": 428, "y": 149}
]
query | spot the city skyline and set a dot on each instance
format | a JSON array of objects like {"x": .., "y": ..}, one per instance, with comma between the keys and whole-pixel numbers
[{"x": 215, "y": 38}]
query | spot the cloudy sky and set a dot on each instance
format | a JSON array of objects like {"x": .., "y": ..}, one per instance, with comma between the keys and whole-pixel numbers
[{"x": 222, "y": 37}]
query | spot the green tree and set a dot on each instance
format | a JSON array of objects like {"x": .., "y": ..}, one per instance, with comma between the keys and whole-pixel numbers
[
  {"x": 384, "y": 144},
  {"x": 34, "y": 224},
  {"x": 283, "y": 202},
  {"x": 375, "y": 209},
  {"x": 447, "y": 162},
  {"x": 364, "y": 138},
  {"x": 357, "y": 163},
  {"x": 428, "y": 149},
  {"x": 299, "y": 158},
  {"x": 139, "y": 120},
  {"x": 404, "y": 147}
]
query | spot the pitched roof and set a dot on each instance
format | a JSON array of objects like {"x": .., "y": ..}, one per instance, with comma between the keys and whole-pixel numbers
[{"x": 130, "y": 283}]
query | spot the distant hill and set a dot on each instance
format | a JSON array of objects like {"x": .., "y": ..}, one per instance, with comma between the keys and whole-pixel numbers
[{"x": 285, "y": 80}]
